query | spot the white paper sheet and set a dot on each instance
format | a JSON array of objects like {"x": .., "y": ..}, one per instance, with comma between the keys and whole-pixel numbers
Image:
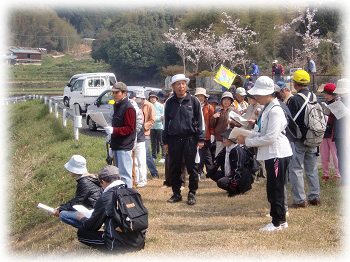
[
  {"x": 45, "y": 207},
  {"x": 238, "y": 118},
  {"x": 81, "y": 209},
  {"x": 338, "y": 109},
  {"x": 98, "y": 118},
  {"x": 240, "y": 131},
  {"x": 197, "y": 159}
]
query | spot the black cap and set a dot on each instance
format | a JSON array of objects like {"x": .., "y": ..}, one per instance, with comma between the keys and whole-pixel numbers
[
  {"x": 153, "y": 93},
  {"x": 132, "y": 94},
  {"x": 226, "y": 135},
  {"x": 251, "y": 96},
  {"x": 213, "y": 99}
]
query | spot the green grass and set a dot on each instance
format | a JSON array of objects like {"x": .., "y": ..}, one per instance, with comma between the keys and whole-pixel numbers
[{"x": 52, "y": 71}]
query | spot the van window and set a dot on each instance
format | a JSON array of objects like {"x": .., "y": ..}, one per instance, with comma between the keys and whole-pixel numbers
[
  {"x": 78, "y": 85},
  {"x": 112, "y": 80},
  {"x": 96, "y": 82},
  {"x": 106, "y": 98},
  {"x": 72, "y": 81}
]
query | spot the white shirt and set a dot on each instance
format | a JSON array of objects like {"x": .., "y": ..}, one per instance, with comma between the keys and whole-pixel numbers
[
  {"x": 227, "y": 159},
  {"x": 113, "y": 184},
  {"x": 270, "y": 141}
]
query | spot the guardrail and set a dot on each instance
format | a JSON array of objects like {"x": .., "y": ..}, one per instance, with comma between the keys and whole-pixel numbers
[{"x": 53, "y": 103}]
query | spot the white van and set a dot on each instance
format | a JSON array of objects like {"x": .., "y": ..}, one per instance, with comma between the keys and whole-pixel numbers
[{"x": 83, "y": 89}]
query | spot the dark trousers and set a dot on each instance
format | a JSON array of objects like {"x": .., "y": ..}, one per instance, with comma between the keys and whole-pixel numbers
[
  {"x": 340, "y": 144},
  {"x": 206, "y": 157},
  {"x": 275, "y": 188},
  {"x": 167, "y": 181},
  {"x": 92, "y": 239},
  {"x": 183, "y": 148},
  {"x": 221, "y": 180},
  {"x": 157, "y": 142}
]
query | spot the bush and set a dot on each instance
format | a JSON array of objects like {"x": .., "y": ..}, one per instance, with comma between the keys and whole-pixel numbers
[
  {"x": 206, "y": 73},
  {"x": 172, "y": 70}
]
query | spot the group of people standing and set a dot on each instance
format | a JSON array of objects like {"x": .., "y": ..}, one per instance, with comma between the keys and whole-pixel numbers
[{"x": 197, "y": 131}]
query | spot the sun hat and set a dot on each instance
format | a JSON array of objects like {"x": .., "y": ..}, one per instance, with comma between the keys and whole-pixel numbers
[
  {"x": 153, "y": 93},
  {"x": 227, "y": 133},
  {"x": 108, "y": 171},
  {"x": 213, "y": 99},
  {"x": 179, "y": 77},
  {"x": 329, "y": 88},
  {"x": 342, "y": 86},
  {"x": 264, "y": 86},
  {"x": 76, "y": 165},
  {"x": 227, "y": 94},
  {"x": 140, "y": 94},
  {"x": 241, "y": 91},
  {"x": 275, "y": 61},
  {"x": 120, "y": 86},
  {"x": 201, "y": 91},
  {"x": 301, "y": 76}
]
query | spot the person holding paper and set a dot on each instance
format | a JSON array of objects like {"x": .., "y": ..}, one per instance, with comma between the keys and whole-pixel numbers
[
  {"x": 328, "y": 145},
  {"x": 87, "y": 192},
  {"x": 122, "y": 128},
  {"x": 341, "y": 128},
  {"x": 273, "y": 148},
  {"x": 109, "y": 240}
]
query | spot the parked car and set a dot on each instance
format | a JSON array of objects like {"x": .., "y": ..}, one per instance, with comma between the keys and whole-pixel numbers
[
  {"x": 104, "y": 103},
  {"x": 83, "y": 89}
]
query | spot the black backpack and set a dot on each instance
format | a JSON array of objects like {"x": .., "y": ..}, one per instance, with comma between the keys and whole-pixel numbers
[{"x": 127, "y": 211}]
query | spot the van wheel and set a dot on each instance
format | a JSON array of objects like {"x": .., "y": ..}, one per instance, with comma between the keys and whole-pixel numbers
[
  {"x": 66, "y": 101},
  {"x": 91, "y": 124}
]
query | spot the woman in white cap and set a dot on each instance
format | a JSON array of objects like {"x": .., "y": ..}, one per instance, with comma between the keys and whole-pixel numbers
[
  {"x": 88, "y": 191},
  {"x": 273, "y": 148}
]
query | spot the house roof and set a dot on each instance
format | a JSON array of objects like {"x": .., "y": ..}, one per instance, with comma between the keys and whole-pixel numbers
[{"x": 25, "y": 51}]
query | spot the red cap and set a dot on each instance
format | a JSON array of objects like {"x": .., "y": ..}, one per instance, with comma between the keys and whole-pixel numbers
[{"x": 329, "y": 88}]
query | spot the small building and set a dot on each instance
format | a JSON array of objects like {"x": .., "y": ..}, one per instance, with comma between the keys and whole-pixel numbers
[{"x": 26, "y": 55}]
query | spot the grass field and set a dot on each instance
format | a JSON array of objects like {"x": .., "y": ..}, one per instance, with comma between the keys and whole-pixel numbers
[{"x": 217, "y": 226}]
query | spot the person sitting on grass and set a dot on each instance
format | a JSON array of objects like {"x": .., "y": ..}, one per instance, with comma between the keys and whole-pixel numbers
[
  {"x": 88, "y": 191},
  {"x": 236, "y": 174}
]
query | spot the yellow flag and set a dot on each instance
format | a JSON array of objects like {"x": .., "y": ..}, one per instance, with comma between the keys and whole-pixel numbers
[{"x": 224, "y": 77}]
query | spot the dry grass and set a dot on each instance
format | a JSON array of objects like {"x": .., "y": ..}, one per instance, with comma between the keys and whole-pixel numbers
[{"x": 215, "y": 225}]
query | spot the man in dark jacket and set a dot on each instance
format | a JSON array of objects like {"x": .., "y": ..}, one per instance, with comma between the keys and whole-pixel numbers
[
  {"x": 110, "y": 239},
  {"x": 122, "y": 129},
  {"x": 236, "y": 174},
  {"x": 184, "y": 131},
  {"x": 88, "y": 191}
]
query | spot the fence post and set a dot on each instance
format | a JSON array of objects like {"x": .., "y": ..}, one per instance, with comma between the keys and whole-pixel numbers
[
  {"x": 64, "y": 116},
  {"x": 77, "y": 125},
  {"x": 50, "y": 106},
  {"x": 45, "y": 100},
  {"x": 56, "y": 110}
]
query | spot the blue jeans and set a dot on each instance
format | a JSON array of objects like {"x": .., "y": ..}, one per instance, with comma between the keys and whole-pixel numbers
[
  {"x": 123, "y": 160},
  {"x": 70, "y": 218},
  {"x": 150, "y": 162}
]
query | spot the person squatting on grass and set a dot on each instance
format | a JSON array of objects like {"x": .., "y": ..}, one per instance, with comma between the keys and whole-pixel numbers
[
  {"x": 111, "y": 239},
  {"x": 88, "y": 191},
  {"x": 184, "y": 131},
  {"x": 122, "y": 128},
  {"x": 273, "y": 148}
]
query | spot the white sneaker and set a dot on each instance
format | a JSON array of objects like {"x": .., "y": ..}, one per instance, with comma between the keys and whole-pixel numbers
[
  {"x": 141, "y": 185},
  {"x": 162, "y": 160},
  {"x": 284, "y": 225},
  {"x": 270, "y": 227}
]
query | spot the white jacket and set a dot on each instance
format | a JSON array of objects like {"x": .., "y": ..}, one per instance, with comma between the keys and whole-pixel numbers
[{"x": 270, "y": 141}]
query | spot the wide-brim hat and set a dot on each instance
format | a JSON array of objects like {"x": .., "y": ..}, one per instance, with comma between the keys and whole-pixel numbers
[
  {"x": 263, "y": 86},
  {"x": 213, "y": 99},
  {"x": 201, "y": 91},
  {"x": 76, "y": 165},
  {"x": 227, "y": 133},
  {"x": 274, "y": 61},
  {"x": 140, "y": 94},
  {"x": 227, "y": 94},
  {"x": 178, "y": 77},
  {"x": 342, "y": 86}
]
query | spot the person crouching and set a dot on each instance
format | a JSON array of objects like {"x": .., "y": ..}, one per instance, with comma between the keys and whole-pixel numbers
[{"x": 236, "y": 174}]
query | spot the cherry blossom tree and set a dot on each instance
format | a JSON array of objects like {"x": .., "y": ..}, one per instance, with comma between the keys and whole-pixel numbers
[{"x": 180, "y": 41}]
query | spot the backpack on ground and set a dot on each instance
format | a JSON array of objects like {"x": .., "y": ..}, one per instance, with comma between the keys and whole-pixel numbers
[
  {"x": 314, "y": 120},
  {"x": 128, "y": 212}
]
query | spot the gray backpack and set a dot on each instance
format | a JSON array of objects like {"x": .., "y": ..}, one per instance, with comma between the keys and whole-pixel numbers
[{"x": 314, "y": 120}]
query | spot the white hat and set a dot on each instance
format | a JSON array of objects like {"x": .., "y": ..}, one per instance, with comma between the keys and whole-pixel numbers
[
  {"x": 342, "y": 86},
  {"x": 274, "y": 62},
  {"x": 179, "y": 77},
  {"x": 76, "y": 165},
  {"x": 263, "y": 86},
  {"x": 241, "y": 91},
  {"x": 140, "y": 94},
  {"x": 201, "y": 91}
]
